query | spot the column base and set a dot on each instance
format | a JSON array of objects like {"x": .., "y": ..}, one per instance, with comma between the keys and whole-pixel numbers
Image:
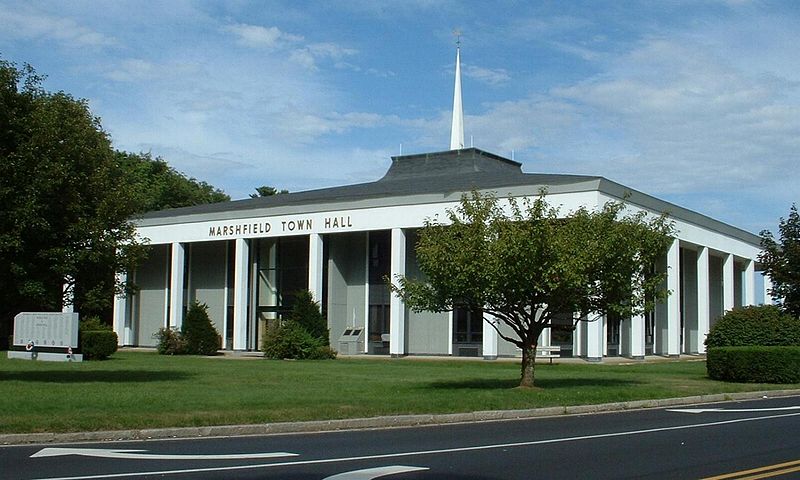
[
  {"x": 674, "y": 355},
  {"x": 594, "y": 359},
  {"x": 490, "y": 357},
  {"x": 397, "y": 355},
  {"x": 636, "y": 357}
]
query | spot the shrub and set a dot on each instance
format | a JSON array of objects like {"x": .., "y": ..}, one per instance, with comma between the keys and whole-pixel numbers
[
  {"x": 199, "y": 333},
  {"x": 306, "y": 313},
  {"x": 98, "y": 344},
  {"x": 96, "y": 339},
  {"x": 762, "y": 325},
  {"x": 170, "y": 341},
  {"x": 292, "y": 340},
  {"x": 93, "y": 323},
  {"x": 754, "y": 364}
]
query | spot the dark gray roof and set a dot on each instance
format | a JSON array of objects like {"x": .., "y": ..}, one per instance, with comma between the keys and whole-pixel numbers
[{"x": 440, "y": 174}]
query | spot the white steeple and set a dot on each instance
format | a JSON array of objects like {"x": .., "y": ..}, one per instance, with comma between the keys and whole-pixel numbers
[{"x": 457, "y": 129}]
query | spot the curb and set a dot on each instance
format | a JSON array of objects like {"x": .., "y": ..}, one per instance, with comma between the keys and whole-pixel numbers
[{"x": 377, "y": 422}]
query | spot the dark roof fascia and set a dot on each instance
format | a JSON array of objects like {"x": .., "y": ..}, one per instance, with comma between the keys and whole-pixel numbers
[
  {"x": 652, "y": 203},
  {"x": 341, "y": 198}
]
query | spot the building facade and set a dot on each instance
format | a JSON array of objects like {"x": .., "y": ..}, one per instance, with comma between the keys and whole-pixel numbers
[{"x": 246, "y": 259}]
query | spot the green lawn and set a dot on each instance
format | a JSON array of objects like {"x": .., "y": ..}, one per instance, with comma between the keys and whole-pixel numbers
[{"x": 145, "y": 390}]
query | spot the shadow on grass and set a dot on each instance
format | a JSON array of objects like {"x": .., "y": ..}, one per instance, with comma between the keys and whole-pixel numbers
[
  {"x": 544, "y": 383},
  {"x": 112, "y": 376}
]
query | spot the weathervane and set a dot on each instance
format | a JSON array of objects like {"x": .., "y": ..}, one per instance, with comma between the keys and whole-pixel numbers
[{"x": 457, "y": 33}]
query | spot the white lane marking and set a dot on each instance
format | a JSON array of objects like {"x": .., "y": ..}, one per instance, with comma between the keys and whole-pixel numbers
[
  {"x": 381, "y": 456},
  {"x": 732, "y": 410},
  {"x": 143, "y": 455},
  {"x": 370, "y": 473}
]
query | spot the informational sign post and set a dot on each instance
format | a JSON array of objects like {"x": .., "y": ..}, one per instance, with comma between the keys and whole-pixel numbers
[{"x": 45, "y": 336}]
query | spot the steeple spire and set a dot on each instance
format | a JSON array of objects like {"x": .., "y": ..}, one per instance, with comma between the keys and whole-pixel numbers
[{"x": 457, "y": 129}]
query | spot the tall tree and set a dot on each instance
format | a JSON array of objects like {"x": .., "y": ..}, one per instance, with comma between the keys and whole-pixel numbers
[
  {"x": 155, "y": 185},
  {"x": 781, "y": 261},
  {"x": 524, "y": 264},
  {"x": 64, "y": 205}
]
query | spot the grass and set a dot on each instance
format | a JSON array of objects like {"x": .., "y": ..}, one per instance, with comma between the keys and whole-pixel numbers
[{"x": 145, "y": 390}]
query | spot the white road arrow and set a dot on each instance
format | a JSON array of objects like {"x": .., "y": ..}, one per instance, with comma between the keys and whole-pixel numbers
[
  {"x": 370, "y": 473},
  {"x": 143, "y": 455},
  {"x": 732, "y": 410}
]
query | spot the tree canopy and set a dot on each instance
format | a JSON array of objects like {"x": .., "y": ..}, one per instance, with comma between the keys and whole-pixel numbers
[
  {"x": 155, "y": 185},
  {"x": 781, "y": 261},
  {"x": 67, "y": 199},
  {"x": 524, "y": 264},
  {"x": 267, "y": 191}
]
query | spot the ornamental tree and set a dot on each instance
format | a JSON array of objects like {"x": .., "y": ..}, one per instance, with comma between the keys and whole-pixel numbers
[
  {"x": 522, "y": 264},
  {"x": 781, "y": 261}
]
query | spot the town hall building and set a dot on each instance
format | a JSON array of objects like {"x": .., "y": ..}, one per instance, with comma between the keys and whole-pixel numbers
[{"x": 246, "y": 260}]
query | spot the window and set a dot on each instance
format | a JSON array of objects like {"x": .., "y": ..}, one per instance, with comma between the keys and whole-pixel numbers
[{"x": 467, "y": 326}]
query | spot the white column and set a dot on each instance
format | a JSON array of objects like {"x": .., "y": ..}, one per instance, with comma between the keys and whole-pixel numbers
[
  {"x": 578, "y": 336},
  {"x": 366, "y": 294},
  {"x": 241, "y": 269},
  {"x": 176, "y": 285},
  {"x": 397, "y": 308},
  {"x": 674, "y": 299},
  {"x": 750, "y": 283},
  {"x": 489, "y": 337},
  {"x": 767, "y": 288},
  {"x": 67, "y": 296},
  {"x": 727, "y": 283},
  {"x": 703, "y": 299},
  {"x": 594, "y": 340},
  {"x": 121, "y": 311},
  {"x": 315, "y": 266},
  {"x": 637, "y": 336}
]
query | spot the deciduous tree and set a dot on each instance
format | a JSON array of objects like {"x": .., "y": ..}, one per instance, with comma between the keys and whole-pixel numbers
[
  {"x": 781, "y": 261},
  {"x": 523, "y": 263}
]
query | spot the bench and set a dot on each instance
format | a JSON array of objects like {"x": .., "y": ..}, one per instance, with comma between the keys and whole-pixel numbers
[{"x": 550, "y": 352}]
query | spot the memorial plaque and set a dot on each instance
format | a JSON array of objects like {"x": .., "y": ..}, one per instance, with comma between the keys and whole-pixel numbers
[{"x": 46, "y": 329}]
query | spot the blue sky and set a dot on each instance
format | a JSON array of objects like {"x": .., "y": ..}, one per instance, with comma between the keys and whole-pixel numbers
[{"x": 696, "y": 102}]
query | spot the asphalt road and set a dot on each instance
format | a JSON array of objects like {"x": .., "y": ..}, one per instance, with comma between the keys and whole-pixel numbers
[{"x": 759, "y": 438}]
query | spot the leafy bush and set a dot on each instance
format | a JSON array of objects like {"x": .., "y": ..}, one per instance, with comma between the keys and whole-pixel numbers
[
  {"x": 98, "y": 344},
  {"x": 170, "y": 341},
  {"x": 754, "y": 364},
  {"x": 93, "y": 323},
  {"x": 96, "y": 339},
  {"x": 306, "y": 313},
  {"x": 292, "y": 340},
  {"x": 199, "y": 333},
  {"x": 761, "y": 325}
]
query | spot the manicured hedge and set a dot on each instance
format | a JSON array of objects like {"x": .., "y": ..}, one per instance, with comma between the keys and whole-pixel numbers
[
  {"x": 98, "y": 344},
  {"x": 761, "y": 325},
  {"x": 754, "y": 364}
]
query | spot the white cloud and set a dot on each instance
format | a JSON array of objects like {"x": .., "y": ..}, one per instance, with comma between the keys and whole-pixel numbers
[
  {"x": 133, "y": 70},
  {"x": 261, "y": 37},
  {"x": 693, "y": 116},
  {"x": 486, "y": 75},
  {"x": 29, "y": 24}
]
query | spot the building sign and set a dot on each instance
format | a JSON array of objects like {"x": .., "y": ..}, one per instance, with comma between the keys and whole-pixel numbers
[
  {"x": 46, "y": 329},
  {"x": 287, "y": 226}
]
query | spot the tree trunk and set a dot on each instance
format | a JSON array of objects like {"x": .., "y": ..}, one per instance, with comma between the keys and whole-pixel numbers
[{"x": 528, "y": 365}]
